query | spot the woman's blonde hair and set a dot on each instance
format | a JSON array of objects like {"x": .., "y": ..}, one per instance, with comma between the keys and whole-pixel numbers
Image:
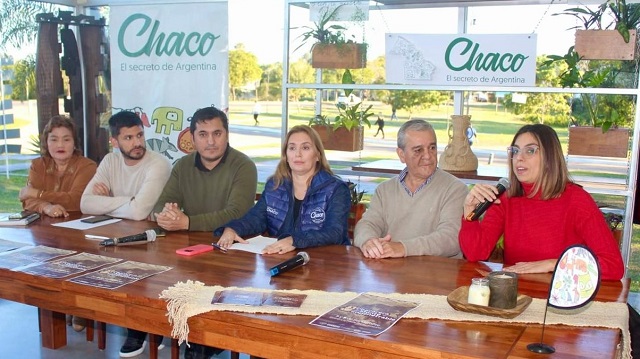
[
  {"x": 553, "y": 175},
  {"x": 283, "y": 171}
]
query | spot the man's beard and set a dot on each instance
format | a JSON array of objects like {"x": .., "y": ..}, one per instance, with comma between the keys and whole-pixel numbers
[{"x": 128, "y": 155}]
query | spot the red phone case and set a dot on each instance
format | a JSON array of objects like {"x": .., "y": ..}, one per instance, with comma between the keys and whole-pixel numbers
[{"x": 193, "y": 250}]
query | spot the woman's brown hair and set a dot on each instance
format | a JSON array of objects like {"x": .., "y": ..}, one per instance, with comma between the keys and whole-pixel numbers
[
  {"x": 55, "y": 122},
  {"x": 553, "y": 175}
]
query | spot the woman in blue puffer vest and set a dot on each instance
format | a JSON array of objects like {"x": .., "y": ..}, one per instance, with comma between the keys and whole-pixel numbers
[{"x": 303, "y": 204}]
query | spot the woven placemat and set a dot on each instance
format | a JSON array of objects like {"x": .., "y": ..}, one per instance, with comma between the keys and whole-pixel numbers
[{"x": 186, "y": 299}]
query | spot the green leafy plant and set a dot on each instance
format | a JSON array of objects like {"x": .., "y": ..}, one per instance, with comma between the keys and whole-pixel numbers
[
  {"x": 351, "y": 116},
  {"x": 625, "y": 17},
  {"x": 356, "y": 196},
  {"x": 323, "y": 33},
  {"x": 578, "y": 74},
  {"x": 34, "y": 144},
  {"x": 319, "y": 120},
  {"x": 590, "y": 19},
  {"x": 347, "y": 79},
  {"x": 614, "y": 220}
]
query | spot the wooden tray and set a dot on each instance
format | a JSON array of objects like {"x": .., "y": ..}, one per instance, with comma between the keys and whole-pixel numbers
[{"x": 458, "y": 300}]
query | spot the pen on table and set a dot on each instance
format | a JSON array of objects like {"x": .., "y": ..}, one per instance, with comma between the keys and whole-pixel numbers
[{"x": 222, "y": 249}]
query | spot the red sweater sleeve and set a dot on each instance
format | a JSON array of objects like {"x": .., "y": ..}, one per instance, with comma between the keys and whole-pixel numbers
[
  {"x": 478, "y": 238},
  {"x": 590, "y": 226}
]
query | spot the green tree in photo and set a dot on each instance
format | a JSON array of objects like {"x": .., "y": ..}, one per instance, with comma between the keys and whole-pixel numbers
[
  {"x": 17, "y": 21},
  {"x": 301, "y": 72},
  {"x": 271, "y": 82},
  {"x": 243, "y": 69},
  {"x": 414, "y": 100},
  {"x": 24, "y": 79},
  {"x": 550, "y": 108}
]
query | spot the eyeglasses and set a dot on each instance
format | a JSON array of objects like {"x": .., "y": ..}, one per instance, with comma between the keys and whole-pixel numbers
[{"x": 527, "y": 151}]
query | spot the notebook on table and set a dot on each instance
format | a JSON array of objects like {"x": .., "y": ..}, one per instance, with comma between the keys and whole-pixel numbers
[{"x": 19, "y": 219}]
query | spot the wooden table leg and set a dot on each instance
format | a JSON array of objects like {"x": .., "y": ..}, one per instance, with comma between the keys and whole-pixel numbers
[
  {"x": 153, "y": 345},
  {"x": 89, "y": 330},
  {"x": 54, "y": 329},
  {"x": 175, "y": 349},
  {"x": 101, "y": 330}
]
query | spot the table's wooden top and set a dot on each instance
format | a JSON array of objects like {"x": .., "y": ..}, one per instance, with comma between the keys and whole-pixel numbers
[{"x": 331, "y": 269}]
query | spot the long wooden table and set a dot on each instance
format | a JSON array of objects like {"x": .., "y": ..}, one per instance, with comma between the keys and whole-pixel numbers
[{"x": 331, "y": 268}]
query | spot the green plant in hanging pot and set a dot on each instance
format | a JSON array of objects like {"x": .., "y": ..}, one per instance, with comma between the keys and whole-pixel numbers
[
  {"x": 608, "y": 32},
  {"x": 323, "y": 33},
  {"x": 347, "y": 131},
  {"x": 351, "y": 116},
  {"x": 322, "y": 125},
  {"x": 627, "y": 17},
  {"x": 331, "y": 48}
]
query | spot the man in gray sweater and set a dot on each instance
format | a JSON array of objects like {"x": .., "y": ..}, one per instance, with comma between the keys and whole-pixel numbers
[{"x": 417, "y": 212}]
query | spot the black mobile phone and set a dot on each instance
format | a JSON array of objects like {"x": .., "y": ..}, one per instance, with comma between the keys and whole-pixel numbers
[
  {"x": 21, "y": 215},
  {"x": 95, "y": 219}
]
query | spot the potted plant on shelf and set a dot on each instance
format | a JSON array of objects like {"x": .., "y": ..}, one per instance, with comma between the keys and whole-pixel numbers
[
  {"x": 614, "y": 220},
  {"x": 331, "y": 48},
  {"x": 597, "y": 41},
  {"x": 348, "y": 127},
  {"x": 601, "y": 136},
  {"x": 357, "y": 208},
  {"x": 320, "y": 123}
]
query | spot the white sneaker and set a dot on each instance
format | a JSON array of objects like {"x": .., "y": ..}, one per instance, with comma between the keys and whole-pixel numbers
[{"x": 132, "y": 348}]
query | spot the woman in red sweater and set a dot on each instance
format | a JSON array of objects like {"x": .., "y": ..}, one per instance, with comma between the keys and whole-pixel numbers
[{"x": 541, "y": 214}]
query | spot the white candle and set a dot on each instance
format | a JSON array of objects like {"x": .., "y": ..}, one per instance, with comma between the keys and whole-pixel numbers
[{"x": 479, "y": 292}]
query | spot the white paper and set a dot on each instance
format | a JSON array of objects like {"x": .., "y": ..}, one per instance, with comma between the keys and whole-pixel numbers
[
  {"x": 255, "y": 245},
  {"x": 76, "y": 224}
]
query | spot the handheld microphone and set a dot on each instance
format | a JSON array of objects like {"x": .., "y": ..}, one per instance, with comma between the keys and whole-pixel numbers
[
  {"x": 299, "y": 260},
  {"x": 146, "y": 236},
  {"x": 503, "y": 185}
]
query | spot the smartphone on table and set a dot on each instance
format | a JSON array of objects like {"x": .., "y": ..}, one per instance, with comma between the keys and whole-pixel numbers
[
  {"x": 21, "y": 215},
  {"x": 195, "y": 249},
  {"x": 95, "y": 219}
]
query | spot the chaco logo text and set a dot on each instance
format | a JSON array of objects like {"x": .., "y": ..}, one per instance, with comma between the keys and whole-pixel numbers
[
  {"x": 160, "y": 43},
  {"x": 317, "y": 215},
  {"x": 272, "y": 211},
  {"x": 473, "y": 59}
]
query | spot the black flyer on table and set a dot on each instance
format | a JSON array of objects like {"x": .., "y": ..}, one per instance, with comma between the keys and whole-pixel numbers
[
  {"x": 67, "y": 266},
  {"x": 20, "y": 258},
  {"x": 366, "y": 314},
  {"x": 119, "y": 274}
]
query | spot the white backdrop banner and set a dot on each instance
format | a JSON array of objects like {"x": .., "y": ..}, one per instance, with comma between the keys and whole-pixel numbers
[
  {"x": 167, "y": 61},
  {"x": 461, "y": 59}
]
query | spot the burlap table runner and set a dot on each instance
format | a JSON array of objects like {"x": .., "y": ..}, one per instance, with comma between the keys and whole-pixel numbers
[{"x": 186, "y": 299}]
